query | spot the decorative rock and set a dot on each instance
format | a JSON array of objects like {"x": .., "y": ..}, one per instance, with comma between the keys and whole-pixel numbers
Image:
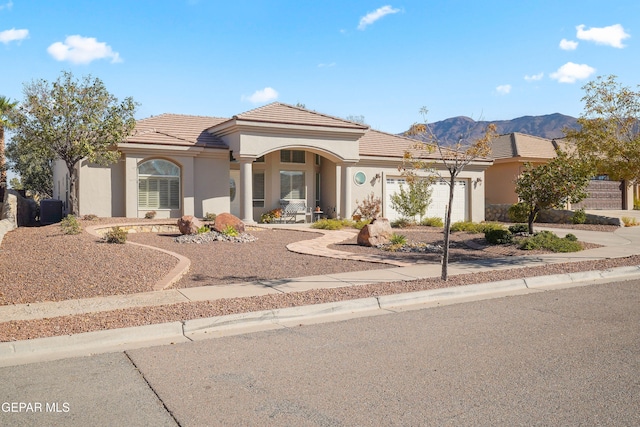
[
  {"x": 189, "y": 225},
  {"x": 378, "y": 232},
  {"x": 224, "y": 220}
]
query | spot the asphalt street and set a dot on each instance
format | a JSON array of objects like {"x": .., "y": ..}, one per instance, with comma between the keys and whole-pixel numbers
[{"x": 561, "y": 357}]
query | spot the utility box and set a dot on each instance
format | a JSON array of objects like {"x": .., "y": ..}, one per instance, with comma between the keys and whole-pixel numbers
[{"x": 50, "y": 211}]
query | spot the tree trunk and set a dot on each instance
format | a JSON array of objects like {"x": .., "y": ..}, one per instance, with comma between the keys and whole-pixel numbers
[
  {"x": 73, "y": 195},
  {"x": 447, "y": 231},
  {"x": 3, "y": 162},
  {"x": 532, "y": 217}
]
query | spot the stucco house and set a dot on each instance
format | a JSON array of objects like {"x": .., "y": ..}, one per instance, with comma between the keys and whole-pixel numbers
[
  {"x": 511, "y": 151},
  {"x": 254, "y": 162}
]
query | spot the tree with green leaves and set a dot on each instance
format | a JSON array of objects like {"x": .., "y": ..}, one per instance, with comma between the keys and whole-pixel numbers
[
  {"x": 415, "y": 199},
  {"x": 609, "y": 133},
  {"x": 562, "y": 180},
  {"x": 454, "y": 158},
  {"x": 6, "y": 106},
  {"x": 70, "y": 120}
]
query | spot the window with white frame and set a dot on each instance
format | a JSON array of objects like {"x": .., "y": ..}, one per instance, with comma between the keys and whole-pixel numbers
[
  {"x": 258, "y": 189},
  {"x": 292, "y": 156},
  {"x": 292, "y": 185},
  {"x": 158, "y": 185}
]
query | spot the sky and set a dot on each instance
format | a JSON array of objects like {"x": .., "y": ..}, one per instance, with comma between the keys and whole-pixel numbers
[{"x": 381, "y": 60}]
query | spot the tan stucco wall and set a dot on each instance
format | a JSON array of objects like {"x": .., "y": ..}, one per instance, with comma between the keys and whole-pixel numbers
[{"x": 101, "y": 189}]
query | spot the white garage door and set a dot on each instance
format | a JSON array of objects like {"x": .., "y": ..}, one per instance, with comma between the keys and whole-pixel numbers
[{"x": 439, "y": 200}]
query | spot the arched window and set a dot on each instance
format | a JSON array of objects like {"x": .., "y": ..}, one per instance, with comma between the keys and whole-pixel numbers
[{"x": 158, "y": 185}]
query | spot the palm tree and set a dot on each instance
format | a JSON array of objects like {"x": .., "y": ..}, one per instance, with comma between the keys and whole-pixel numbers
[{"x": 5, "y": 122}]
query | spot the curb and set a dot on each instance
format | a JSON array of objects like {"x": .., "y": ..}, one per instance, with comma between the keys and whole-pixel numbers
[{"x": 114, "y": 340}]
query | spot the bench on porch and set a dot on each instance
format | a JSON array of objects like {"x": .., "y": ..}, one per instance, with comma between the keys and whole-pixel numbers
[{"x": 292, "y": 209}]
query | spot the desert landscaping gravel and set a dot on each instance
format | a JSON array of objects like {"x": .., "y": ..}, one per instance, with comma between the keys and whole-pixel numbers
[{"x": 42, "y": 264}]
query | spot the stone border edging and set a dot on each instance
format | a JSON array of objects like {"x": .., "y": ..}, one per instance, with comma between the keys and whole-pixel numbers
[
  {"x": 170, "y": 278},
  {"x": 88, "y": 343}
]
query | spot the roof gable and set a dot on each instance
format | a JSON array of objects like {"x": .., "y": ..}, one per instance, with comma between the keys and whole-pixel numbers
[
  {"x": 521, "y": 145},
  {"x": 177, "y": 129},
  {"x": 280, "y": 113}
]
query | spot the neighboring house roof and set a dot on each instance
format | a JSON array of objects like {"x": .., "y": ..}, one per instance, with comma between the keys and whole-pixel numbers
[
  {"x": 521, "y": 145},
  {"x": 177, "y": 129},
  {"x": 381, "y": 144},
  {"x": 278, "y": 112}
]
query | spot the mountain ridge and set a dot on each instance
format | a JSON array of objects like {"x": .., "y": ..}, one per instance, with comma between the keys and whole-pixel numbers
[{"x": 549, "y": 126}]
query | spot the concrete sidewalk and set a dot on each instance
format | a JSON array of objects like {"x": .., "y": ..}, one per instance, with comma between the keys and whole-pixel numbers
[{"x": 623, "y": 242}]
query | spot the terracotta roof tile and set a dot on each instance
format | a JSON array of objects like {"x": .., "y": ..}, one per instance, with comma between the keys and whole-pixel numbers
[
  {"x": 521, "y": 145},
  {"x": 278, "y": 112},
  {"x": 177, "y": 129}
]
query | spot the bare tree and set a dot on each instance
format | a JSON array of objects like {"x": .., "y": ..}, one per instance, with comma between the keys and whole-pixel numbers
[{"x": 454, "y": 158}]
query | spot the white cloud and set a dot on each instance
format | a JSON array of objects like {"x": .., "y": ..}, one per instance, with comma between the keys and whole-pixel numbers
[
  {"x": 261, "y": 96},
  {"x": 610, "y": 36},
  {"x": 82, "y": 50},
  {"x": 534, "y": 78},
  {"x": 13, "y": 35},
  {"x": 503, "y": 89},
  {"x": 571, "y": 72},
  {"x": 372, "y": 17},
  {"x": 568, "y": 44},
  {"x": 327, "y": 65},
  {"x": 7, "y": 6}
]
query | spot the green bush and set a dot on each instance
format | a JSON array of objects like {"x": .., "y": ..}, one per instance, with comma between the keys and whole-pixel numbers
[
  {"x": 360, "y": 224},
  {"x": 549, "y": 241},
  {"x": 70, "y": 225},
  {"x": 398, "y": 239},
  {"x": 271, "y": 216},
  {"x": 150, "y": 215},
  {"x": 402, "y": 223},
  {"x": 209, "y": 217},
  {"x": 116, "y": 235},
  {"x": 489, "y": 226},
  {"x": 230, "y": 231},
  {"x": 571, "y": 237},
  {"x": 433, "y": 221},
  {"x": 204, "y": 229},
  {"x": 468, "y": 226},
  {"x": 519, "y": 228},
  {"x": 579, "y": 217},
  {"x": 498, "y": 236},
  {"x": 332, "y": 224},
  {"x": 518, "y": 212}
]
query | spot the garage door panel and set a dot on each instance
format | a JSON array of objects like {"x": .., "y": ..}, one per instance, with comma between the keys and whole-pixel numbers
[{"x": 439, "y": 199}]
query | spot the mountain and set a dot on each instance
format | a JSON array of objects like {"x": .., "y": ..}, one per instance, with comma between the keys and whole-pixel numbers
[{"x": 549, "y": 126}]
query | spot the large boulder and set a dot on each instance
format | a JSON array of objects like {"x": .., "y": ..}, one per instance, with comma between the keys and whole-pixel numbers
[
  {"x": 377, "y": 232},
  {"x": 225, "y": 220},
  {"x": 189, "y": 225}
]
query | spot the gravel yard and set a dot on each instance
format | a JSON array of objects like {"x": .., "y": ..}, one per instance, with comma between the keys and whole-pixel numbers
[{"x": 42, "y": 264}]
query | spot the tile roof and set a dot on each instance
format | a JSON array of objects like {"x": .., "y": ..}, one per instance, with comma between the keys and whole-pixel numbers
[
  {"x": 177, "y": 129},
  {"x": 278, "y": 112},
  {"x": 381, "y": 144},
  {"x": 521, "y": 145}
]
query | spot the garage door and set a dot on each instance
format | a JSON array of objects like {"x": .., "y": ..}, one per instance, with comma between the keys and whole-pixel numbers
[{"x": 439, "y": 199}]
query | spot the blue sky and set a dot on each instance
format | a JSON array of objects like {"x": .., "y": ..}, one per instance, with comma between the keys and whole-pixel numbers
[{"x": 383, "y": 60}]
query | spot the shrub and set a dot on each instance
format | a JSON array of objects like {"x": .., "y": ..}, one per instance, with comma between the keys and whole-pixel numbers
[
  {"x": 230, "y": 231},
  {"x": 549, "y": 241},
  {"x": 571, "y": 237},
  {"x": 70, "y": 225},
  {"x": 483, "y": 227},
  {"x": 150, "y": 215},
  {"x": 271, "y": 216},
  {"x": 629, "y": 221},
  {"x": 203, "y": 229},
  {"x": 402, "y": 223},
  {"x": 636, "y": 205},
  {"x": 498, "y": 236},
  {"x": 333, "y": 224},
  {"x": 370, "y": 207},
  {"x": 579, "y": 217},
  {"x": 116, "y": 235},
  {"x": 90, "y": 217},
  {"x": 398, "y": 239},
  {"x": 518, "y": 212},
  {"x": 467, "y": 226},
  {"x": 360, "y": 224},
  {"x": 432, "y": 222},
  {"x": 209, "y": 217},
  {"x": 519, "y": 228}
]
